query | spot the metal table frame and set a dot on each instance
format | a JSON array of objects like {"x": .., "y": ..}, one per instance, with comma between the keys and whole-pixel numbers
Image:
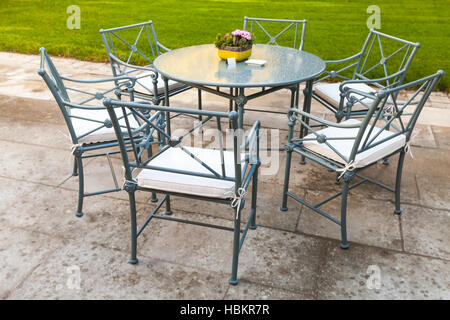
[{"x": 237, "y": 95}]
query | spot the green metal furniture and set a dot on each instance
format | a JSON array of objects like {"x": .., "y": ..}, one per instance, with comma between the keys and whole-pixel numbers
[
  {"x": 220, "y": 175},
  {"x": 200, "y": 67},
  {"x": 131, "y": 51},
  {"x": 87, "y": 120},
  {"x": 289, "y": 29},
  {"x": 352, "y": 145},
  {"x": 262, "y": 28},
  {"x": 381, "y": 64}
]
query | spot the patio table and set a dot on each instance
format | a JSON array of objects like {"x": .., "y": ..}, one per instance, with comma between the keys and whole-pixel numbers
[{"x": 199, "y": 66}]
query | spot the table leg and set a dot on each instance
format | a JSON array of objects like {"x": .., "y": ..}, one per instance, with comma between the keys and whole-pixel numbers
[
  {"x": 307, "y": 93},
  {"x": 167, "y": 115},
  {"x": 166, "y": 103},
  {"x": 241, "y": 100}
]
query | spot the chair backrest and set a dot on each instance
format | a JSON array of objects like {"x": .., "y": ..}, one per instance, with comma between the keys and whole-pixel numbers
[
  {"x": 134, "y": 44},
  {"x": 169, "y": 140},
  {"x": 84, "y": 96},
  {"x": 289, "y": 30},
  {"x": 387, "y": 113},
  {"x": 383, "y": 55}
]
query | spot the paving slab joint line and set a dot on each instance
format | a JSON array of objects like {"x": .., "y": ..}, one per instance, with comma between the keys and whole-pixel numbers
[{"x": 21, "y": 281}]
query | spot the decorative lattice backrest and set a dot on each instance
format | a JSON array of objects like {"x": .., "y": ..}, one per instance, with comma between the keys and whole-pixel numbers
[
  {"x": 52, "y": 77},
  {"x": 74, "y": 95},
  {"x": 382, "y": 56},
  {"x": 286, "y": 32},
  {"x": 131, "y": 45},
  {"x": 389, "y": 113}
]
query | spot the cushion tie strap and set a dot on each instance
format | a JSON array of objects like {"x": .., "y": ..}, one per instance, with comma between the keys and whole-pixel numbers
[
  {"x": 348, "y": 167},
  {"x": 74, "y": 147},
  {"x": 237, "y": 200},
  {"x": 408, "y": 149},
  {"x": 125, "y": 181}
]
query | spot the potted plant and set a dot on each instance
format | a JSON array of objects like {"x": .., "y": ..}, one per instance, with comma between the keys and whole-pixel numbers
[{"x": 237, "y": 44}]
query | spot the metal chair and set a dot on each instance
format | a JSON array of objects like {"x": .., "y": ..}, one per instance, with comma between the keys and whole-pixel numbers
[
  {"x": 212, "y": 174},
  {"x": 352, "y": 145},
  {"x": 289, "y": 30},
  {"x": 87, "y": 120},
  {"x": 131, "y": 51},
  {"x": 288, "y": 27},
  {"x": 363, "y": 74}
]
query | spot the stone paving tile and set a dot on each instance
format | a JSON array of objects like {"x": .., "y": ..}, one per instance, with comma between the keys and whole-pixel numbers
[
  {"x": 435, "y": 117},
  {"x": 35, "y": 163},
  {"x": 440, "y": 100},
  {"x": 82, "y": 270},
  {"x": 386, "y": 174},
  {"x": 442, "y": 136},
  {"x": 251, "y": 291},
  {"x": 12, "y": 192},
  {"x": 269, "y": 257},
  {"x": 427, "y": 161},
  {"x": 434, "y": 191},
  {"x": 25, "y": 108},
  {"x": 20, "y": 253},
  {"x": 423, "y": 137},
  {"x": 34, "y": 207},
  {"x": 426, "y": 231},
  {"x": 370, "y": 222},
  {"x": 35, "y": 132},
  {"x": 352, "y": 274}
]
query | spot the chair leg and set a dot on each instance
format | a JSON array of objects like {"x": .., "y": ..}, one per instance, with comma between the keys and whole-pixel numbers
[
  {"x": 79, "y": 212},
  {"x": 133, "y": 257},
  {"x": 231, "y": 105},
  {"x": 254, "y": 198},
  {"x": 337, "y": 180},
  {"x": 236, "y": 240},
  {"x": 75, "y": 167},
  {"x": 286, "y": 180},
  {"x": 398, "y": 181},
  {"x": 150, "y": 154},
  {"x": 344, "y": 243},
  {"x": 200, "y": 107},
  {"x": 168, "y": 209}
]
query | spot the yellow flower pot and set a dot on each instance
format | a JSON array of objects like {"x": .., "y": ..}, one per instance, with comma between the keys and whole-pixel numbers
[{"x": 239, "y": 53}]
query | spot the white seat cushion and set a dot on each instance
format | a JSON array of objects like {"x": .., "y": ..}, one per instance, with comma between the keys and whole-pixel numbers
[
  {"x": 101, "y": 135},
  {"x": 145, "y": 85},
  {"x": 345, "y": 146},
  {"x": 175, "y": 158},
  {"x": 330, "y": 92}
]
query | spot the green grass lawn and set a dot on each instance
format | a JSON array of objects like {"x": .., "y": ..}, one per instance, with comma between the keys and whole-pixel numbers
[{"x": 335, "y": 29}]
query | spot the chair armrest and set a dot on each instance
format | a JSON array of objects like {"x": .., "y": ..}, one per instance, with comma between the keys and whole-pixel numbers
[
  {"x": 85, "y": 107},
  {"x": 343, "y": 60},
  {"x": 163, "y": 47},
  {"x": 369, "y": 80},
  {"x": 130, "y": 78},
  {"x": 154, "y": 73},
  {"x": 254, "y": 132},
  {"x": 333, "y": 74},
  {"x": 293, "y": 111}
]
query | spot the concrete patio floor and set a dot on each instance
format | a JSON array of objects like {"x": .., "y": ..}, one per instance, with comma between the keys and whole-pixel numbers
[{"x": 291, "y": 255}]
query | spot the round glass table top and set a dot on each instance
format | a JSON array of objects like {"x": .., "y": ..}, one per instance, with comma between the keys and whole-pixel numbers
[{"x": 201, "y": 65}]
